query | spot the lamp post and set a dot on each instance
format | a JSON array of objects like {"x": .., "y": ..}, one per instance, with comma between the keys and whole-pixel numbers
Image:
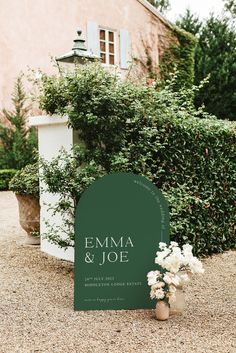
[{"x": 79, "y": 53}]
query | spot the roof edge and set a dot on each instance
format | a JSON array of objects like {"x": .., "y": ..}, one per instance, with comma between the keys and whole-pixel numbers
[{"x": 155, "y": 12}]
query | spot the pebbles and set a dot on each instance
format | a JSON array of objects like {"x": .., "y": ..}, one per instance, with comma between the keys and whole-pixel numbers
[{"x": 36, "y": 306}]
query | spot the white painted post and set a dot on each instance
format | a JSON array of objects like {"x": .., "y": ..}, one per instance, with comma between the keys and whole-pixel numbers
[{"x": 53, "y": 134}]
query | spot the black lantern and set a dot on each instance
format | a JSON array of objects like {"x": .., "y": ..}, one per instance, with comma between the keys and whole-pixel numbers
[{"x": 79, "y": 53}]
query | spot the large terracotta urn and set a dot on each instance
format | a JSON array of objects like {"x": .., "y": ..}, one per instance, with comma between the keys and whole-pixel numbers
[{"x": 29, "y": 217}]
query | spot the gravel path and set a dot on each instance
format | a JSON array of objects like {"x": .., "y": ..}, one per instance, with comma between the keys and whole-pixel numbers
[{"x": 36, "y": 306}]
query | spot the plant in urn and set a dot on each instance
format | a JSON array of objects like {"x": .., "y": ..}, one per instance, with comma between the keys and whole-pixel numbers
[
  {"x": 177, "y": 265},
  {"x": 163, "y": 288}
]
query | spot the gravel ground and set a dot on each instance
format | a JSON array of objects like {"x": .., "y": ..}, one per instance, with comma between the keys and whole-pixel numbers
[{"x": 36, "y": 306}]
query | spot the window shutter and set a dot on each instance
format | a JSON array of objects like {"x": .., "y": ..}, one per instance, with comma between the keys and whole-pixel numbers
[
  {"x": 93, "y": 38},
  {"x": 124, "y": 49}
]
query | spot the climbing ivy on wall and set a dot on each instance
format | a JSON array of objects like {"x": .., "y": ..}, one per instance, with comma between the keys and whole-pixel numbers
[{"x": 178, "y": 58}]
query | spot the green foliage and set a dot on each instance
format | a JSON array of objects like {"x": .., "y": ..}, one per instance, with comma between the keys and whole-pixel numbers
[
  {"x": 215, "y": 56},
  {"x": 98, "y": 104},
  {"x": 158, "y": 134},
  {"x": 186, "y": 50},
  {"x": 230, "y": 5},
  {"x": 5, "y": 177},
  {"x": 161, "y": 5},
  {"x": 17, "y": 141},
  {"x": 190, "y": 23},
  {"x": 69, "y": 174},
  {"x": 26, "y": 181}
]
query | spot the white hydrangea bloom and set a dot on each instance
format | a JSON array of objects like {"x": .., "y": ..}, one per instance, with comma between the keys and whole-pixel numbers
[
  {"x": 152, "y": 277},
  {"x": 173, "y": 262},
  {"x": 196, "y": 266},
  {"x": 160, "y": 284},
  {"x": 157, "y": 292},
  {"x": 183, "y": 278},
  {"x": 167, "y": 278},
  {"x": 162, "y": 245},
  {"x": 187, "y": 248},
  {"x": 170, "y": 278},
  {"x": 160, "y": 294},
  {"x": 161, "y": 255},
  {"x": 173, "y": 244},
  {"x": 187, "y": 254},
  {"x": 153, "y": 293}
]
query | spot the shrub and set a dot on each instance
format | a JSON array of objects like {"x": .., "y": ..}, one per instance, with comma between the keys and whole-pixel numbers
[
  {"x": 17, "y": 141},
  {"x": 134, "y": 128},
  {"x": 26, "y": 181},
  {"x": 5, "y": 177},
  {"x": 68, "y": 175}
]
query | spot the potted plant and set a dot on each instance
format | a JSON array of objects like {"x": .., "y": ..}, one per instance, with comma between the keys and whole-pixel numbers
[
  {"x": 163, "y": 288},
  {"x": 177, "y": 265},
  {"x": 25, "y": 185}
]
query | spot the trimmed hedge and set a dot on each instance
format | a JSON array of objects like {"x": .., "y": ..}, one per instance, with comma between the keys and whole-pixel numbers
[
  {"x": 193, "y": 161},
  {"x": 201, "y": 189},
  {"x": 5, "y": 176}
]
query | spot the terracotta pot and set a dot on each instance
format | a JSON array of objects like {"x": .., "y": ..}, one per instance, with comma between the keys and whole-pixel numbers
[
  {"x": 177, "y": 307},
  {"x": 162, "y": 310},
  {"x": 29, "y": 216}
]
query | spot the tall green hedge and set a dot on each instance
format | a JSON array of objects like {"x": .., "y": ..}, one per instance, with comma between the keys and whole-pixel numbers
[
  {"x": 130, "y": 127},
  {"x": 193, "y": 161},
  {"x": 5, "y": 176}
]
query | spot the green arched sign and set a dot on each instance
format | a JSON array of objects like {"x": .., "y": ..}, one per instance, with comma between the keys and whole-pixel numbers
[{"x": 120, "y": 220}]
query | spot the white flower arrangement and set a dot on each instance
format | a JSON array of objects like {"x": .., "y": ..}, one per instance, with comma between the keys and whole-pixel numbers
[
  {"x": 163, "y": 285},
  {"x": 177, "y": 264},
  {"x": 174, "y": 259}
]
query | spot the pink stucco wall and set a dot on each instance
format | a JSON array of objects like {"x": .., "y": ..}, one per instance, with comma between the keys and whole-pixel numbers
[{"x": 33, "y": 31}]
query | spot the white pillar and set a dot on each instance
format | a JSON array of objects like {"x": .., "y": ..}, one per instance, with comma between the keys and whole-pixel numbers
[{"x": 53, "y": 134}]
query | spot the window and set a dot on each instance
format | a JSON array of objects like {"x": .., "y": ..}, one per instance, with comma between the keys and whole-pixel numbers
[{"x": 107, "y": 46}]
